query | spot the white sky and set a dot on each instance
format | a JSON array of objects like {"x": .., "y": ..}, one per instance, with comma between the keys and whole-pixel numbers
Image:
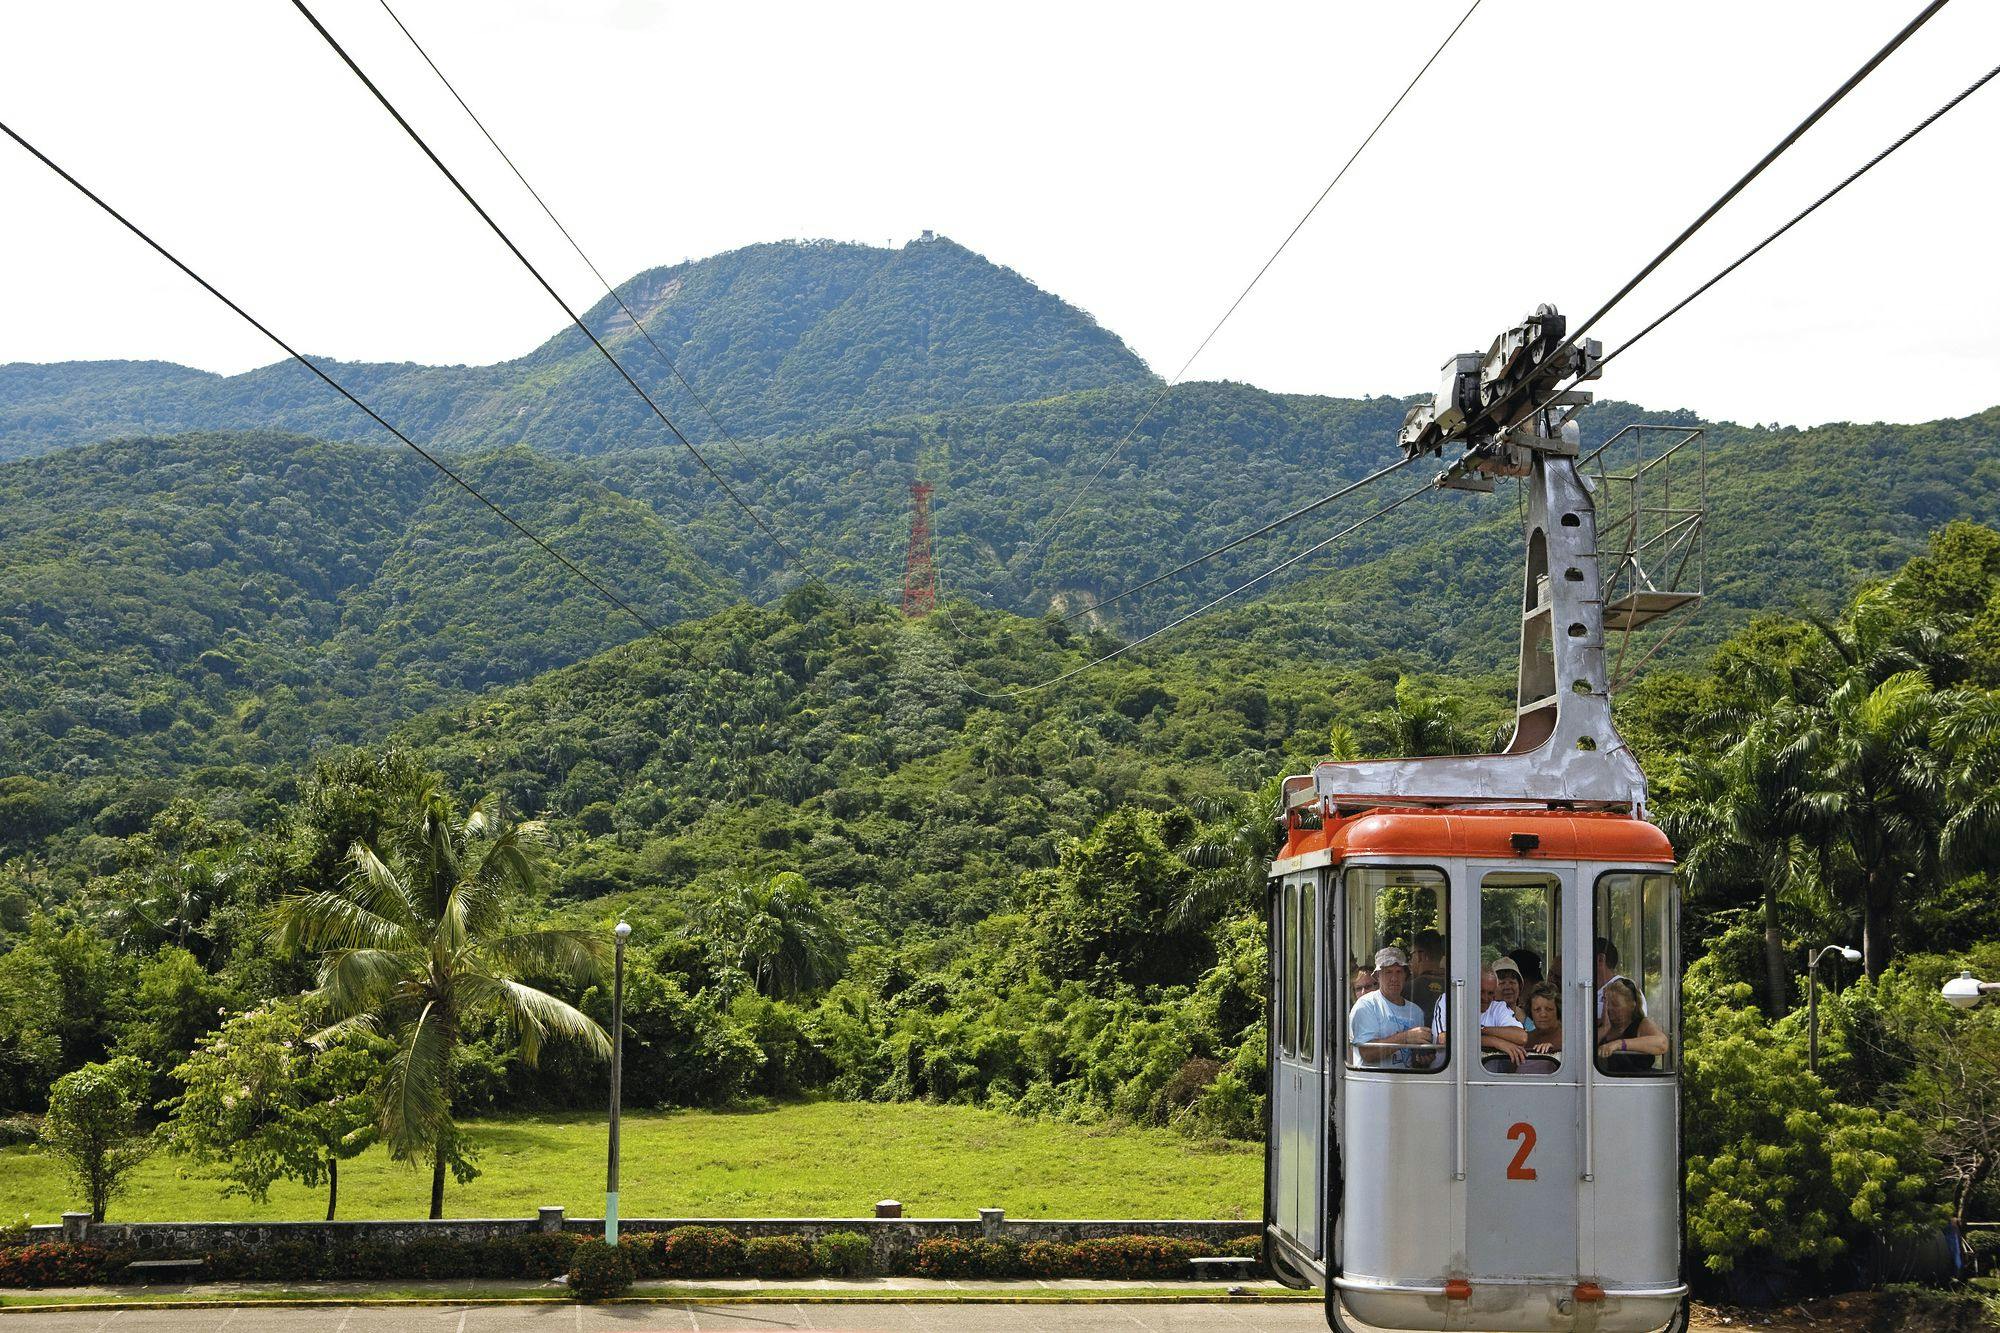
[{"x": 1137, "y": 159}]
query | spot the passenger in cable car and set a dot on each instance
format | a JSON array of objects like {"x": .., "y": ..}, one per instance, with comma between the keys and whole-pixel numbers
[
  {"x": 1499, "y": 1031},
  {"x": 1545, "y": 1007},
  {"x": 1628, "y": 1042},
  {"x": 1364, "y": 981},
  {"x": 1607, "y": 972},
  {"x": 1507, "y": 973},
  {"x": 1427, "y": 975},
  {"x": 1382, "y": 1025}
]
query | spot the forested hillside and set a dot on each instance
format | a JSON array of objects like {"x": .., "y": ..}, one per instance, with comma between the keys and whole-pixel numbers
[
  {"x": 220, "y": 598},
  {"x": 776, "y": 339}
]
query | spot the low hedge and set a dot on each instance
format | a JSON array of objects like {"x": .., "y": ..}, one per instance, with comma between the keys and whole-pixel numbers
[
  {"x": 599, "y": 1271},
  {"x": 685, "y": 1252}
]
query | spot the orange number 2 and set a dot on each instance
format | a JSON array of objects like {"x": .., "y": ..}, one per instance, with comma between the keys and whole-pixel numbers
[{"x": 1518, "y": 1169}]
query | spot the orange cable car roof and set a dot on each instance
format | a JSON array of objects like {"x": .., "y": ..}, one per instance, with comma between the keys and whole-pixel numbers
[{"x": 1561, "y": 835}]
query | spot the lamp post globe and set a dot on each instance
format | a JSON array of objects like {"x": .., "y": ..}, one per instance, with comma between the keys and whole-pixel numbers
[{"x": 1966, "y": 990}]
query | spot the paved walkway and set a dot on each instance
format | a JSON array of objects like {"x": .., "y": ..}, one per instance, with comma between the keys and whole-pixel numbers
[{"x": 885, "y": 1317}]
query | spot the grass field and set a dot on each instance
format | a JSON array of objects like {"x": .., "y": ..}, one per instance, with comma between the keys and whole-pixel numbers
[{"x": 813, "y": 1159}]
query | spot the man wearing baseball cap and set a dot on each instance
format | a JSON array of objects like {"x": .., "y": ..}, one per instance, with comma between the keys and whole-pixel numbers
[{"x": 1383, "y": 1026}]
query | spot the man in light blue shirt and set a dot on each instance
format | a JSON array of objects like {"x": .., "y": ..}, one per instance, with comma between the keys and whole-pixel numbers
[{"x": 1383, "y": 1025}]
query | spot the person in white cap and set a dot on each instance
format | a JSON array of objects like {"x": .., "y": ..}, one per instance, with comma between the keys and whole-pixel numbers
[
  {"x": 1383, "y": 1026},
  {"x": 1499, "y": 1030}
]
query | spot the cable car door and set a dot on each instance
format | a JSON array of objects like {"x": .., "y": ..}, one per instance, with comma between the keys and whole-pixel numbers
[
  {"x": 1299, "y": 1086},
  {"x": 1523, "y": 1120}
]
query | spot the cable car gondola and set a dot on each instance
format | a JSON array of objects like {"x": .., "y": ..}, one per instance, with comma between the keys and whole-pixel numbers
[{"x": 1439, "y": 1158}]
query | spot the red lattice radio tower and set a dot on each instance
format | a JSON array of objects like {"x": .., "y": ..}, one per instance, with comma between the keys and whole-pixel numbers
[{"x": 919, "y": 572}]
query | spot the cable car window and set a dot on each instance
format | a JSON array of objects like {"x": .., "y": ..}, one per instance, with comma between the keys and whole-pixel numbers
[
  {"x": 1307, "y": 956},
  {"x": 1633, "y": 972},
  {"x": 1520, "y": 924},
  {"x": 1397, "y": 923}
]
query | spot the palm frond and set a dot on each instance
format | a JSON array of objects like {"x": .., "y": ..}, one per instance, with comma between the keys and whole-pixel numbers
[
  {"x": 534, "y": 1015},
  {"x": 315, "y": 921},
  {"x": 416, "y": 1089},
  {"x": 576, "y": 957}
]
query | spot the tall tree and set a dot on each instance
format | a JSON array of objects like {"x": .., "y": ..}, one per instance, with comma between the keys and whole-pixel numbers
[
  {"x": 262, "y": 1103},
  {"x": 93, "y": 1127},
  {"x": 418, "y": 939},
  {"x": 779, "y": 933},
  {"x": 1870, "y": 780},
  {"x": 1732, "y": 816}
]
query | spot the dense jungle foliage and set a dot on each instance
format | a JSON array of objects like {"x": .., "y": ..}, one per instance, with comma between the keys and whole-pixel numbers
[
  {"x": 773, "y": 338},
  {"x": 856, "y": 866}
]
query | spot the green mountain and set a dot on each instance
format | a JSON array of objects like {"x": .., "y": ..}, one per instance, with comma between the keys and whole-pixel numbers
[
  {"x": 228, "y": 598},
  {"x": 775, "y": 339}
]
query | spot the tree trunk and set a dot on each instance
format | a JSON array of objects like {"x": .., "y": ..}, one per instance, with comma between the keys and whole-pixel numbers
[
  {"x": 1777, "y": 978},
  {"x": 332, "y": 1185},
  {"x": 1878, "y": 943},
  {"x": 437, "y": 1182}
]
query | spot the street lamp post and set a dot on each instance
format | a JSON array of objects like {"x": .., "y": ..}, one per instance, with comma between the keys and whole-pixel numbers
[
  {"x": 1812, "y": 997},
  {"x": 617, "y": 1070},
  {"x": 1966, "y": 990}
]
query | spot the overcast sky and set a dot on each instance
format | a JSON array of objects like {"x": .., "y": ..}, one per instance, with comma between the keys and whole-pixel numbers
[{"x": 1139, "y": 160}]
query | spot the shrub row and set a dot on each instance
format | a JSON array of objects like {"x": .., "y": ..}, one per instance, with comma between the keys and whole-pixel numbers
[
  {"x": 685, "y": 1252},
  {"x": 1129, "y": 1257}
]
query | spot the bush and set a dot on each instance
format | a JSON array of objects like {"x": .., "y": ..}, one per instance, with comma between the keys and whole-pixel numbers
[
  {"x": 944, "y": 1256},
  {"x": 642, "y": 1250},
  {"x": 844, "y": 1254},
  {"x": 599, "y": 1271},
  {"x": 701, "y": 1252},
  {"x": 56, "y": 1263},
  {"x": 19, "y": 1130},
  {"x": 1048, "y": 1258},
  {"x": 544, "y": 1254},
  {"x": 996, "y": 1258},
  {"x": 1135, "y": 1256},
  {"x": 777, "y": 1256}
]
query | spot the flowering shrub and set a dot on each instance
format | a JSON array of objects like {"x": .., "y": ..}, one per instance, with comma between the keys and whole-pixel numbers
[
  {"x": 642, "y": 1251},
  {"x": 844, "y": 1254},
  {"x": 599, "y": 1271},
  {"x": 56, "y": 1263},
  {"x": 944, "y": 1256},
  {"x": 777, "y": 1256},
  {"x": 701, "y": 1252},
  {"x": 1134, "y": 1256},
  {"x": 1047, "y": 1258}
]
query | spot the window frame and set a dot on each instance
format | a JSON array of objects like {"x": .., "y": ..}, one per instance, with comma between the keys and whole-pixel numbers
[
  {"x": 1349, "y": 1058},
  {"x": 1287, "y": 999},
  {"x": 1307, "y": 954},
  {"x": 1553, "y": 886},
  {"x": 1668, "y": 1065}
]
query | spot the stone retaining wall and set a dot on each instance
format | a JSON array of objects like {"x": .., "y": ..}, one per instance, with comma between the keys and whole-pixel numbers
[{"x": 891, "y": 1237}]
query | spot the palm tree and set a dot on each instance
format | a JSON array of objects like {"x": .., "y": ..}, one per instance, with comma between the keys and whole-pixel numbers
[
  {"x": 1733, "y": 817},
  {"x": 778, "y": 932},
  {"x": 1871, "y": 781},
  {"x": 1426, "y": 723},
  {"x": 1228, "y": 845},
  {"x": 417, "y": 943}
]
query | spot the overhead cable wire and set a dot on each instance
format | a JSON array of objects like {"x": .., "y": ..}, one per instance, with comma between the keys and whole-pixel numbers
[
  {"x": 606, "y": 593},
  {"x": 672, "y": 366},
  {"x": 1283, "y": 565},
  {"x": 1777, "y": 150},
  {"x": 783, "y": 546},
  {"x": 1759, "y": 247},
  {"x": 1049, "y": 531},
  {"x": 1231, "y": 545}
]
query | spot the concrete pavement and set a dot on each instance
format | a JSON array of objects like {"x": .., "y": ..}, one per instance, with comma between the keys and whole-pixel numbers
[{"x": 675, "y": 1317}]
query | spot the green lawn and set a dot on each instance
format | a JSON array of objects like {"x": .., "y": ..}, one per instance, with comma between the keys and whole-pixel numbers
[{"x": 814, "y": 1159}]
